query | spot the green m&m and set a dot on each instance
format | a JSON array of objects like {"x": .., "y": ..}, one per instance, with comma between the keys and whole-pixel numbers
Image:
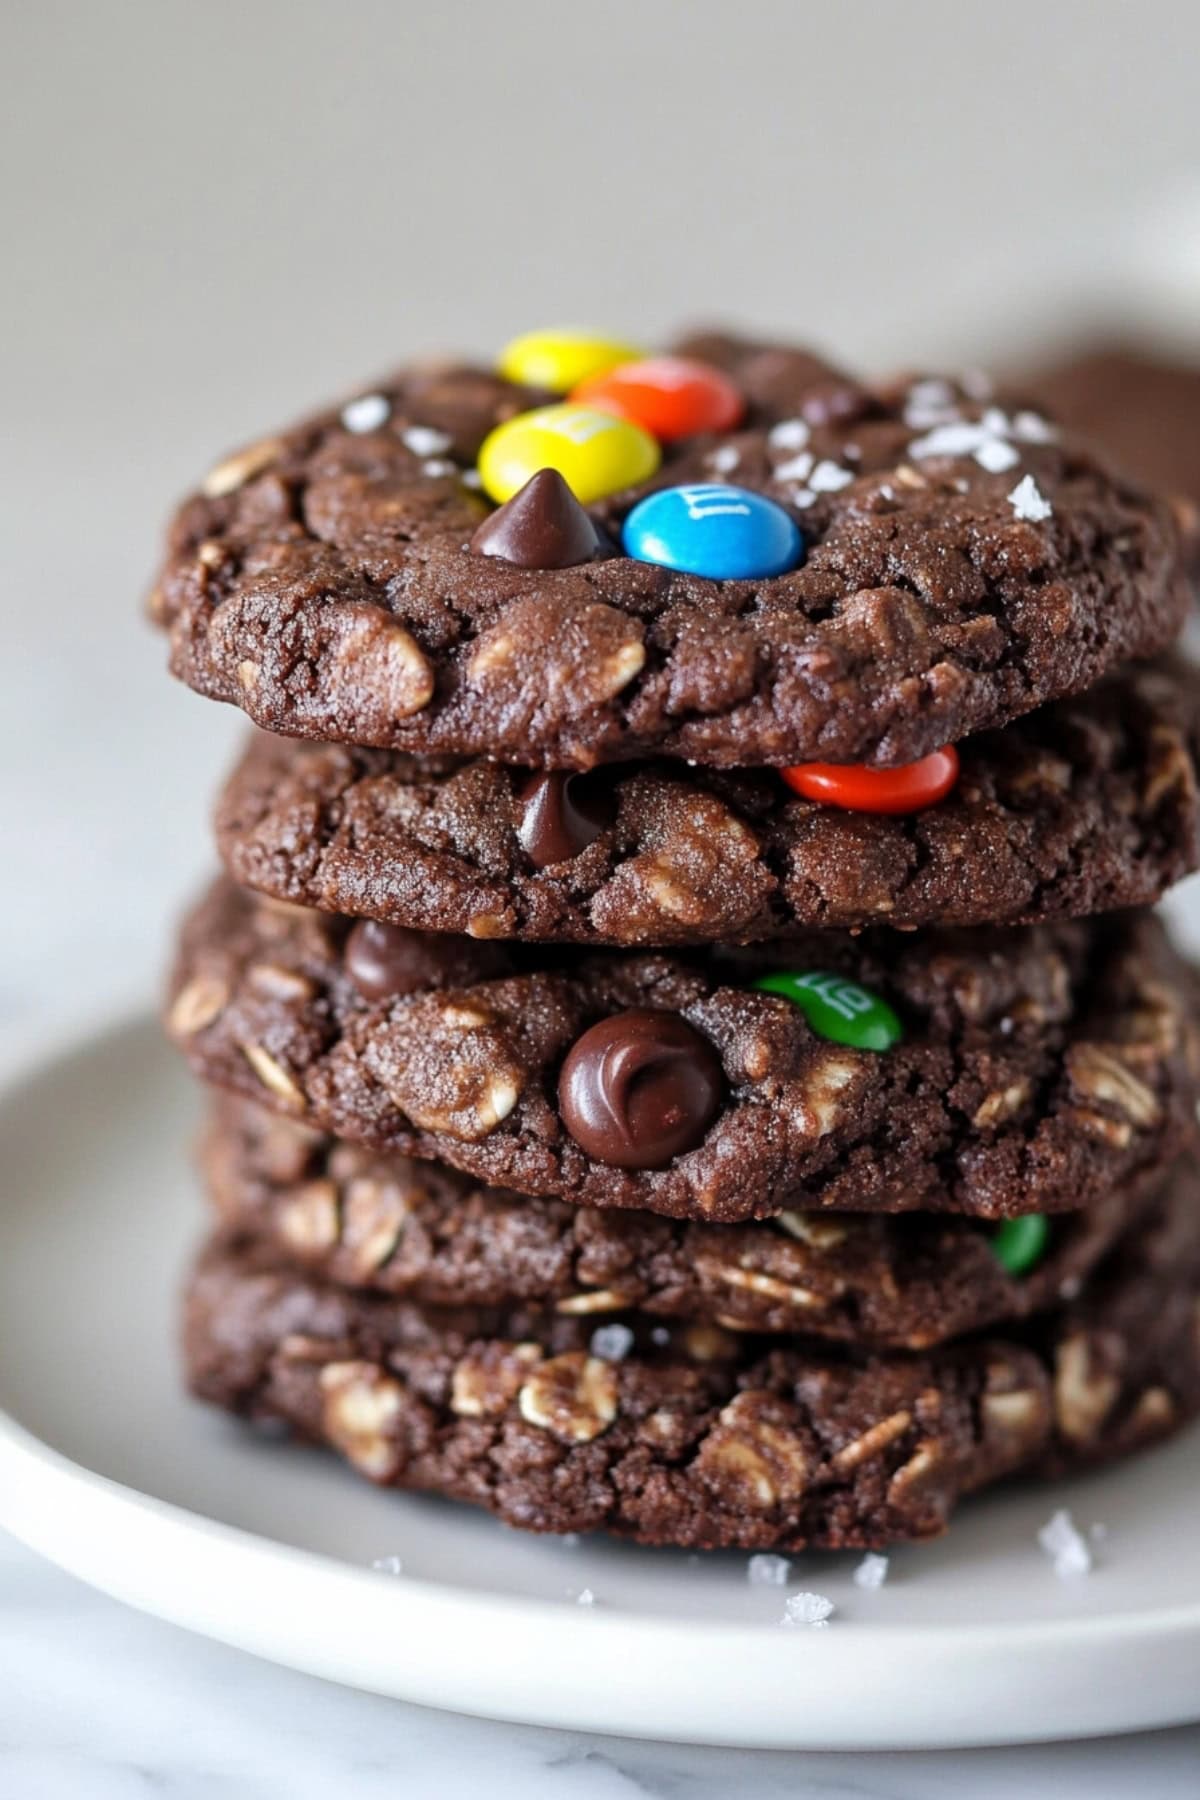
[
  {"x": 838, "y": 1009},
  {"x": 1020, "y": 1243}
]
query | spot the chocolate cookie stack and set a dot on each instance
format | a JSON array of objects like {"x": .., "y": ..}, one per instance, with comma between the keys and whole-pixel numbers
[{"x": 691, "y": 1057}]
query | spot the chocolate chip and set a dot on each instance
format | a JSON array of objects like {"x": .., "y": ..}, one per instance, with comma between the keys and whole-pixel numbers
[
  {"x": 386, "y": 961},
  {"x": 561, "y": 814},
  {"x": 543, "y": 526},
  {"x": 640, "y": 1088}
]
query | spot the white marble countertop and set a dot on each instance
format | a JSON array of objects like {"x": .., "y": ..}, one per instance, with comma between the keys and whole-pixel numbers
[{"x": 99, "y": 1703}]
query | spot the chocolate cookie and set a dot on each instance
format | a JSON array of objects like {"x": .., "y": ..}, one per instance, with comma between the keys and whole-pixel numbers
[
  {"x": 987, "y": 1072},
  {"x": 1143, "y": 407},
  {"x": 427, "y": 1233},
  {"x": 705, "y": 1440},
  {"x": 935, "y": 563},
  {"x": 1080, "y": 807}
]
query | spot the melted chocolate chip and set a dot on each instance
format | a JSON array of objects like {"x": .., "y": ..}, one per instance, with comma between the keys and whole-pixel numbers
[
  {"x": 640, "y": 1088},
  {"x": 561, "y": 813},
  {"x": 543, "y": 526},
  {"x": 386, "y": 961}
]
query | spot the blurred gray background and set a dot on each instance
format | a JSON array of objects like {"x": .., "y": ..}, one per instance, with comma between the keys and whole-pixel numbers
[{"x": 214, "y": 214}]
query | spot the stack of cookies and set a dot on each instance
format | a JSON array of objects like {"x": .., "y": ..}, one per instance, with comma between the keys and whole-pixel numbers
[{"x": 690, "y": 1054}]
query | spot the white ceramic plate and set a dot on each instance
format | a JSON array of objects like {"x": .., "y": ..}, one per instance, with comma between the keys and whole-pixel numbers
[{"x": 106, "y": 1468}]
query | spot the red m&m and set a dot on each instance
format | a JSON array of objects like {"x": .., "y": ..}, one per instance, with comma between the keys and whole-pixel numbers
[
  {"x": 669, "y": 396},
  {"x": 908, "y": 789}
]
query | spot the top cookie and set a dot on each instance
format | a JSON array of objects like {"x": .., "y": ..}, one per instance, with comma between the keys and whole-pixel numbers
[{"x": 884, "y": 571}]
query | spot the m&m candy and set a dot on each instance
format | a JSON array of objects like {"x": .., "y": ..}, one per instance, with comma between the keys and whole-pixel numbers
[
  {"x": 838, "y": 1009},
  {"x": 594, "y": 452},
  {"x": 671, "y": 396},
  {"x": 559, "y": 360},
  {"x": 1020, "y": 1243},
  {"x": 726, "y": 533},
  {"x": 855, "y": 789}
]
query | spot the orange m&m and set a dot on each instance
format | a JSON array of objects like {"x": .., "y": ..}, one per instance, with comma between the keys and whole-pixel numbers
[
  {"x": 855, "y": 789},
  {"x": 669, "y": 396}
]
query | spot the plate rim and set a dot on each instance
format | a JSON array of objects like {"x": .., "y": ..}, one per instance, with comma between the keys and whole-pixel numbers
[{"x": 40, "y": 1483}]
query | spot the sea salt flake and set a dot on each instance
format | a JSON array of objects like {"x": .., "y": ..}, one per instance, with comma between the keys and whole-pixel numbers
[
  {"x": 995, "y": 456},
  {"x": 925, "y": 418},
  {"x": 727, "y": 457},
  {"x": 1031, "y": 428},
  {"x": 367, "y": 413},
  {"x": 985, "y": 439},
  {"x": 976, "y": 384},
  {"x": 389, "y": 1565},
  {"x": 800, "y": 497},
  {"x": 611, "y": 1342},
  {"x": 930, "y": 391},
  {"x": 1028, "y": 502},
  {"x": 439, "y": 465},
  {"x": 426, "y": 440},
  {"x": 929, "y": 402},
  {"x": 471, "y": 478},
  {"x": 871, "y": 1572},
  {"x": 1066, "y": 1546},
  {"x": 788, "y": 434},
  {"x": 660, "y": 1335},
  {"x": 828, "y": 477},
  {"x": 961, "y": 437},
  {"x": 796, "y": 468},
  {"x": 806, "y": 1609},
  {"x": 767, "y": 1571}
]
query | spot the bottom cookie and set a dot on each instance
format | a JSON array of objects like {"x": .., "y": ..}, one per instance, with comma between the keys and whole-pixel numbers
[{"x": 687, "y": 1434}]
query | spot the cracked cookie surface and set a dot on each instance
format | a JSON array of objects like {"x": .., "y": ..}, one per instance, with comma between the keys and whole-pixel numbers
[
  {"x": 1081, "y": 807},
  {"x": 1037, "y": 1069},
  {"x": 322, "y": 580}
]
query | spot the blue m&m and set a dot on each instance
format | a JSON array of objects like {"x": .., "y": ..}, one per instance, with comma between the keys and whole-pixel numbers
[{"x": 709, "y": 528}]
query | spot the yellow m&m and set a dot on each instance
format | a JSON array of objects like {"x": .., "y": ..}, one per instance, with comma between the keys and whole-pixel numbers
[
  {"x": 557, "y": 360},
  {"x": 595, "y": 452}
]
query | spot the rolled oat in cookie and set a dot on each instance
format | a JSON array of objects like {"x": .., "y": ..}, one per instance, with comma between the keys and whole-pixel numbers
[
  {"x": 696, "y": 1436},
  {"x": 1011, "y": 1071},
  {"x": 330, "y": 579},
  {"x": 425, "y": 1232}
]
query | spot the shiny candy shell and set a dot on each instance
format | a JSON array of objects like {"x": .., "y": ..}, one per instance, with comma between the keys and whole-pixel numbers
[
  {"x": 908, "y": 789},
  {"x": 838, "y": 1009},
  {"x": 595, "y": 453},
  {"x": 1019, "y": 1244},
  {"x": 559, "y": 360},
  {"x": 671, "y": 396},
  {"x": 709, "y": 528}
]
